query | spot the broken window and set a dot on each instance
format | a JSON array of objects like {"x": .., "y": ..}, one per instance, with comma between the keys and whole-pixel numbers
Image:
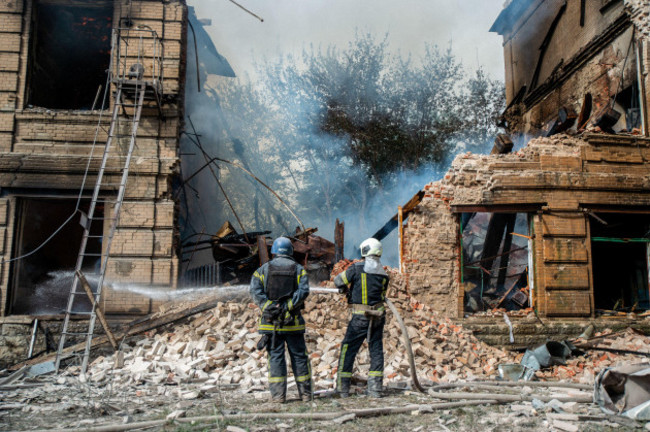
[
  {"x": 627, "y": 102},
  {"x": 495, "y": 260},
  {"x": 619, "y": 247},
  {"x": 41, "y": 281},
  {"x": 70, "y": 53}
]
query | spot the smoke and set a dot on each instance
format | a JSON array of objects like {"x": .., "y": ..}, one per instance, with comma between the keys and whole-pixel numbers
[{"x": 348, "y": 134}]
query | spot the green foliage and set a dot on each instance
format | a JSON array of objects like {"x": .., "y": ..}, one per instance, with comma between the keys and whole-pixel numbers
[{"x": 338, "y": 131}]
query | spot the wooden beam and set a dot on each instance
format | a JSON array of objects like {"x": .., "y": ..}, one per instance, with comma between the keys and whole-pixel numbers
[
  {"x": 392, "y": 222},
  {"x": 339, "y": 241},
  {"x": 262, "y": 250},
  {"x": 400, "y": 224},
  {"x": 98, "y": 310},
  {"x": 497, "y": 208}
]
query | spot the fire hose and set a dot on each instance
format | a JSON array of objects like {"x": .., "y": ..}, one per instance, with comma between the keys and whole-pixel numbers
[{"x": 405, "y": 336}]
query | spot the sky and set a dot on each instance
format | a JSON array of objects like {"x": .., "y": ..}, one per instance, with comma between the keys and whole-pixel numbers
[{"x": 291, "y": 25}]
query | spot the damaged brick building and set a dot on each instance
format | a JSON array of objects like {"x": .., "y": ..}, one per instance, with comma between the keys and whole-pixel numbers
[
  {"x": 57, "y": 58},
  {"x": 563, "y": 224}
]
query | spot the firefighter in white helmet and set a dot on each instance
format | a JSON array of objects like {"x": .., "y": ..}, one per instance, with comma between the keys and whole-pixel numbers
[{"x": 365, "y": 284}]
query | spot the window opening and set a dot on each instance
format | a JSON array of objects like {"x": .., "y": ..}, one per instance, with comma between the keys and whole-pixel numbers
[
  {"x": 70, "y": 52},
  {"x": 41, "y": 282},
  {"x": 619, "y": 246},
  {"x": 495, "y": 261}
]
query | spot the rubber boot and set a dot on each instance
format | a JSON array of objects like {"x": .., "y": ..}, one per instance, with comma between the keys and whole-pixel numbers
[
  {"x": 343, "y": 388},
  {"x": 375, "y": 387},
  {"x": 278, "y": 392},
  {"x": 304, "y": 391}
]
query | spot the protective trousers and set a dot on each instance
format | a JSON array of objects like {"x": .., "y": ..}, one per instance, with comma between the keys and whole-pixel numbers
[
  {"x": 354, "y": 336},
  {"x": 278, "y": 366}
]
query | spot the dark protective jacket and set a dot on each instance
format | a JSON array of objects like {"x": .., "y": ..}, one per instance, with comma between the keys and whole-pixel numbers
[
  {"x": 364, "y": 288},
  {"x": 296, "y": 293}
]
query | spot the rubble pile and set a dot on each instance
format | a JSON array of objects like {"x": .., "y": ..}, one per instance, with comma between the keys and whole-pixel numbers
[
  {"x": 583, "y": 368},
  {"x": 218, "y": 347}
]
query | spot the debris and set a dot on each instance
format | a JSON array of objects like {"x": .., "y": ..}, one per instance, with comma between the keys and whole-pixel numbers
[
  {"x": 565, "y": 426},
  {"x": 515, "y": 372},
  {"x": 509, "y": 324},
  {"x": 176, "y": 414},
  {"x": 345, "y": 418},
  {"x": 624, "y": 390},
  {"x": 510, "y": 397}
]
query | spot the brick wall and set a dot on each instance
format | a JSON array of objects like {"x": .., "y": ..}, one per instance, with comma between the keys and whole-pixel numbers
[
  {"x": 43, "y": 148},
  {"x": 579, "y": 59},
  {"x": 561, "y": 176}
]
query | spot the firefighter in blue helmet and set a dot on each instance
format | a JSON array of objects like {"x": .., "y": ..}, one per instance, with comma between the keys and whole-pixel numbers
[
  {"x": 365, "y": 284},
  {"x": 280, "y": 288}
]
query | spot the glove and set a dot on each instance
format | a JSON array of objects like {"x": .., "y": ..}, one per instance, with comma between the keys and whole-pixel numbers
[
  {"x": 272, "y": 312},
  {"x": 263, "y": 342}
]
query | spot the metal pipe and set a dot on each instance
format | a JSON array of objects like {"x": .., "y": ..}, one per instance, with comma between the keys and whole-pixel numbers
[
  {"x": 33, "y": 341},
  {"x": 642, "y": 90}
]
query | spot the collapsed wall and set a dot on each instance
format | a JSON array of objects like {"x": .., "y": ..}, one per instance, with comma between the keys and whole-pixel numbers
[{"x": 560, "y": 183}]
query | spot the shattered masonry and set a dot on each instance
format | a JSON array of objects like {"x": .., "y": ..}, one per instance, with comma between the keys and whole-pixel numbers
[
  {"x": 561, "y": 177},
  {"x": 568, "y": 185}
]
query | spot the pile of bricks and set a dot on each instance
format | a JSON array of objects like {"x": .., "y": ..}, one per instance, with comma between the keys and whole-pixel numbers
[{"x": 218, "y": 347}]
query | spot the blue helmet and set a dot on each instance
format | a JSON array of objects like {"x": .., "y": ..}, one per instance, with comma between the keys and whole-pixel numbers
[{"x": 282, "y": 246}]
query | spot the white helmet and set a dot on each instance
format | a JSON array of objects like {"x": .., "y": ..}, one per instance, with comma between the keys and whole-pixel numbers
[{"x": 371, "y": 246}]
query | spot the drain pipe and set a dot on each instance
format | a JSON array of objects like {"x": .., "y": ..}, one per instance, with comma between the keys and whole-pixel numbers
[
  {"x": 642, "y": 90},
  {"x": 405, "y": 335}
]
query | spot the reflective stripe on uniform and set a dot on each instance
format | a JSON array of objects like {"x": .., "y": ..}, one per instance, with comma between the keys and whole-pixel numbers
[
  {"x": 259, "y": 276},
  {"x": 344, "y": 278},
  {"x": 290, "y": 304},
  {"x": 383, "y": 291},
  {"x": 342, "y": 374},
  {"x": 277, "y": 379},
  {"x": 268, "y": 327},
  {"x": 268, "y": 302},
  {"x": 364, "y": 289},
  {"x": 301, "y": 274},
  {"x": 376, "y": 373},
  {"x": 302, "y": 378}
]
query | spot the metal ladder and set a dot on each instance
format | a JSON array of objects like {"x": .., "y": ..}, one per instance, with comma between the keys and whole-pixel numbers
[{"x": 137, "y": 92}]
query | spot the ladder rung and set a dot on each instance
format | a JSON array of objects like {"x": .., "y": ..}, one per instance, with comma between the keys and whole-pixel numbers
[
  {"x": 82, "y": 313},
  {"x": 75, "y": 333},
  {"x": 80, "y": 293},
  {"x": 92, "y": 255}
]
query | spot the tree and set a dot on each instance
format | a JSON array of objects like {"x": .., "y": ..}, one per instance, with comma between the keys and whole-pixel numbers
[{"x": 337, "y": 131}]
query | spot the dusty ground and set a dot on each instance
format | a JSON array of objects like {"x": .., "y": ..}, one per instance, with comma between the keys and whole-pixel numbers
[{"x": 67, "y": 403}]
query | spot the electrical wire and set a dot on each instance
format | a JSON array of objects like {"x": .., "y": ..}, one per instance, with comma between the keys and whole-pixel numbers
[
  {"x": 83, "y": 181},
  {"x": 246, "y": 10}
]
